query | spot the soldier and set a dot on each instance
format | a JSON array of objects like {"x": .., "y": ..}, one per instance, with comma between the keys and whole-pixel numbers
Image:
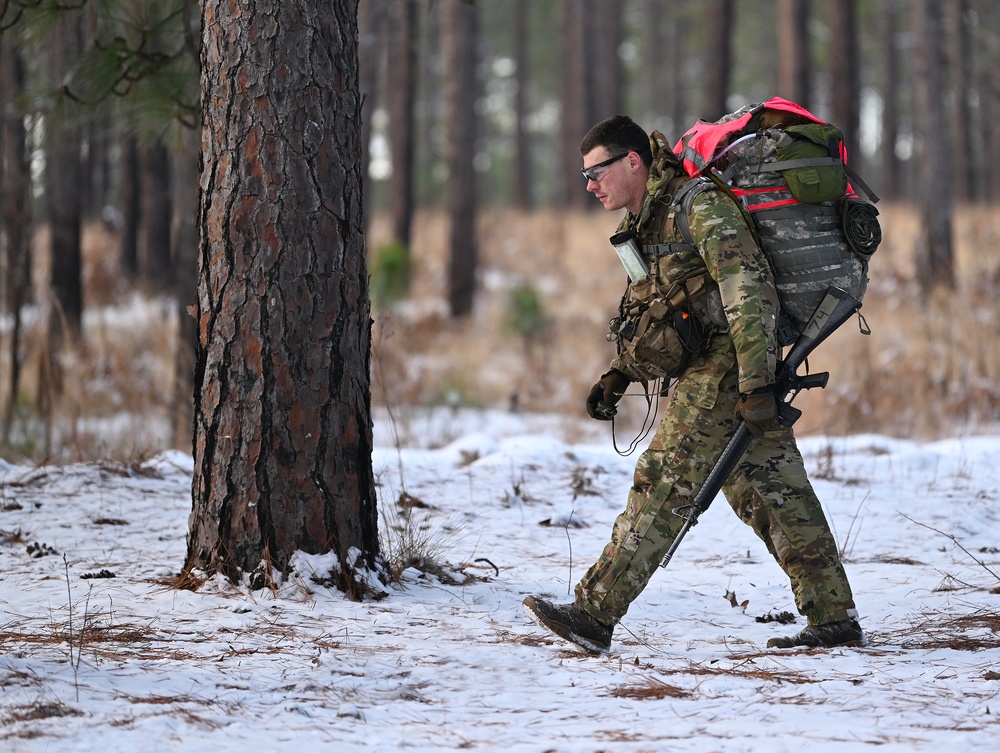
[{"x": 724, "y": 288}]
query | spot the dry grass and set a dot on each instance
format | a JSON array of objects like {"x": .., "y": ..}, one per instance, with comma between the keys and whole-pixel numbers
[
  {"x": 974, "y": 632},
  {"x": 650, "y": 690},
  {"x": 930, "y": 367}
]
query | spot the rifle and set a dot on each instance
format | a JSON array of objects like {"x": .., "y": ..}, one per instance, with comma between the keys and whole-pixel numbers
[{"x": 836, "y": 308}]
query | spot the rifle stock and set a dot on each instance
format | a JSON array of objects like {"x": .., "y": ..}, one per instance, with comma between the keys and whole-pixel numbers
[{"x": 836, "y": 308}]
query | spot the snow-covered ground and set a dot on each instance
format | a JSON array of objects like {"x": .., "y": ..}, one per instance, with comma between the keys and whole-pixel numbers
[{"x": 100, "y": 654}]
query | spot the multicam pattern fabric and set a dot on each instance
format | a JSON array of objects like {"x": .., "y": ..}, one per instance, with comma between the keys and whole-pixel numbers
[
  {"x": 726, "y": 251},
  {"x": 769, "y": 489}
]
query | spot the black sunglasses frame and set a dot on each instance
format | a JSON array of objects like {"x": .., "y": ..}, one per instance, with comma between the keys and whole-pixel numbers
[{"x": 588, "y": 172}]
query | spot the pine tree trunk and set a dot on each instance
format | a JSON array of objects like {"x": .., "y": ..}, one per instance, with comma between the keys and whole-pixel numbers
[
  {"x": 793, "y": 58},
  {"x": 185, "y": 255},
  {"x": 934, "y": 253},
  {"x": 130, "y": 203},
  {"x": 371, "y": 31},
  {"x": 63, "y": 178},
  {"x": 401, "y": 93},
  {"x": 523, "y": 194},
  {"x": 157, "y": 211},
  {"x": 960, "y": 49},
  {"x": 844, "y": 75},
  {"x": 459, "y": 44},
  {"x": 718, "y": 58},
  {"x": 889, "y": 81},
  {"x": 16, "y": 219},
  {"x": 573, "y": 102},
  {"x": 283, "y": 432}
]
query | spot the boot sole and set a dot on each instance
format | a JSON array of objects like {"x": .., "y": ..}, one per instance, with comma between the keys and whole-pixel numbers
[
  {"x": 560, "y": 630},
  {"x": 847, "y": 644}
]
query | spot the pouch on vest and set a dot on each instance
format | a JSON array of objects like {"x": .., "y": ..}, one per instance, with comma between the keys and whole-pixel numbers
[
  {"x": 659, "y": 330},
  {"x": 818, "y": 143}
]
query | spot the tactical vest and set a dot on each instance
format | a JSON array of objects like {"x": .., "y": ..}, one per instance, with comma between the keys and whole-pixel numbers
[{"x": 672, "y": 314}]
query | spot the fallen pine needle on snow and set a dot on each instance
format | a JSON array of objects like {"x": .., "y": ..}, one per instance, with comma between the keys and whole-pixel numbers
[{"x": 102, "y": 650}]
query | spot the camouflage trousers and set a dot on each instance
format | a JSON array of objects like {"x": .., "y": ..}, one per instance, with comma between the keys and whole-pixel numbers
[{"x": 768, "y": 490}]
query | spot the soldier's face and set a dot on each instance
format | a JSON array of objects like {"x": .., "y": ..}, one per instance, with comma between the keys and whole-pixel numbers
[{"x": 621, "y": 183}]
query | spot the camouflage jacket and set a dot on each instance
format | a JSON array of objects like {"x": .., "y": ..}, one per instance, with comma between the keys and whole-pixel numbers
[{"x": 726, "y": 250}]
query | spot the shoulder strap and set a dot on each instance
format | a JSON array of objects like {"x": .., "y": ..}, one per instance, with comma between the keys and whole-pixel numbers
[
  {"x": 697, "y": 186},
  {"x": 683, "y": 202}
]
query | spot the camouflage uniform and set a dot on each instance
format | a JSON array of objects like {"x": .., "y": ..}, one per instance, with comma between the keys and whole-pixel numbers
[{"x": 769, "y": 489}]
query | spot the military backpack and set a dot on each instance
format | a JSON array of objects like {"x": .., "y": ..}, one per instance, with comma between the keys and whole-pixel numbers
[{"x": 788, "y": 171}]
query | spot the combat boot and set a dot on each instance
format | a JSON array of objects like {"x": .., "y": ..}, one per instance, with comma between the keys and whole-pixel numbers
[
  {"x": 570, "y": 623},
  {"x": 840, "y": 633}
]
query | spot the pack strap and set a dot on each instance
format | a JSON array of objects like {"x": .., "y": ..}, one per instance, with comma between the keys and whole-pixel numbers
[
  {"x": 792, "y": 164},
  {"x": 856, "y": 182},
  {"x": 666, "y": 249},
  {"x": 683, "y": 202}
]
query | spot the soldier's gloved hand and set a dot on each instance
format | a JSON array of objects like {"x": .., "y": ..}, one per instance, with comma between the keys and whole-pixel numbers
[
  {"x": 759, "y": 410},
  {"x": 604, "y": 395}
]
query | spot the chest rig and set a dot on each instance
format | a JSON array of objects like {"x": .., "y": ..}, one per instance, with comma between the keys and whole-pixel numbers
[{"x": 671, "y": 314}]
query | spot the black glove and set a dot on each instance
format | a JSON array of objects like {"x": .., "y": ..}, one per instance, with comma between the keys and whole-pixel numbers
[
  {"x": 759, "y": 410},
  {"x": 604, "y": 395}
]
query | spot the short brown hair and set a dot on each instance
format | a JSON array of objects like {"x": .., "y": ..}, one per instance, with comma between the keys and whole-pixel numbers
[{"x": 618, "y": 135}]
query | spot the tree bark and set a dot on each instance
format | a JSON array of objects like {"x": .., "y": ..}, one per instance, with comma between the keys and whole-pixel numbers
[
  {"x": 604, "y": 77},
  {"x": 889, "y": 81},
  {"x": 185, "y": 274},
  {"x": 283, "y": 429},
  {"x": 573, "y": 102},
  {"x": 960, "y": 50},
  {"x": 63, "y": 178},
  {"x": 523, "y": 197},
  {"x": 155, "y": 219},
  {"x": 401, "y": 94},
  {"x": 793, "y": 57},
  {"x": 130, "y": 201},
  {"x": 459, "y": 45},
  {"x": 371, "y": 31},
  {"x": 718, "y": 61},
  {"x": 845, "y": 76},
  {"x": 16, "y": 188},
  {"x": 935, "y": 264}
]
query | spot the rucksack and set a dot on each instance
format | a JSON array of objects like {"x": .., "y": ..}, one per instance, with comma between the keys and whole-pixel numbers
[{"x": 788, "y": 171}]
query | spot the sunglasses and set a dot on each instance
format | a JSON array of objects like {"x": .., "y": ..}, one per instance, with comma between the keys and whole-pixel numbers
[{"x": 596, "y": 172}]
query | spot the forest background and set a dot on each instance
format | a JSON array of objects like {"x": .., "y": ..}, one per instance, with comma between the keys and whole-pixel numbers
[{"x": 491, "y": 273}]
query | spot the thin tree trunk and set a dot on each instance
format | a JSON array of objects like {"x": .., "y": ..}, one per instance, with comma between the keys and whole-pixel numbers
[
  {"x": 371, "y": 30},
  {"x": 935, "y": 265},
  {"x": 129, "y": 198},
  {"x": 401, "y": 94},
  {"x": 845, "y": 74},
  {"x": 718, "y": 62},
  {"x": 523, "y": 194},
  {"x": 63, "y": 178},
  {"x": 604, "y": 78},
  {"x": 157, "y": 212},
  {"x": 16, "y": 217},
  {"x": 459, "y": 45},
  {"x": 960, "y": 50},
  {"x": 283, "y": 428},
  {"x": 889, "y": 81},
  {"x": 793, "y": 54},
  {"x": 185, "y": 254},
  {"x": 573, "y": 102}
]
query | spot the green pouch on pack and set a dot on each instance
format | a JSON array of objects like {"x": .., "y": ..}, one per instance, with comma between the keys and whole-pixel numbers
[{"x": 814, "y": 184}]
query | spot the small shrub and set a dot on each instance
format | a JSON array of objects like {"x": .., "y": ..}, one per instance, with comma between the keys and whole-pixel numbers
[
  {"x": 391, "y": 275},
  {"x": 526, "y": 315}
]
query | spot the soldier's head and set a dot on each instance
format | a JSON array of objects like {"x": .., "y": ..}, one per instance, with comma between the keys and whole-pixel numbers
[{"x": 616, "y": 159}]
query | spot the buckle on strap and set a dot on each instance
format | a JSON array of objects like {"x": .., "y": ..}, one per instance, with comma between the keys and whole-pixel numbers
[{"x": 665, "y": 249}]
